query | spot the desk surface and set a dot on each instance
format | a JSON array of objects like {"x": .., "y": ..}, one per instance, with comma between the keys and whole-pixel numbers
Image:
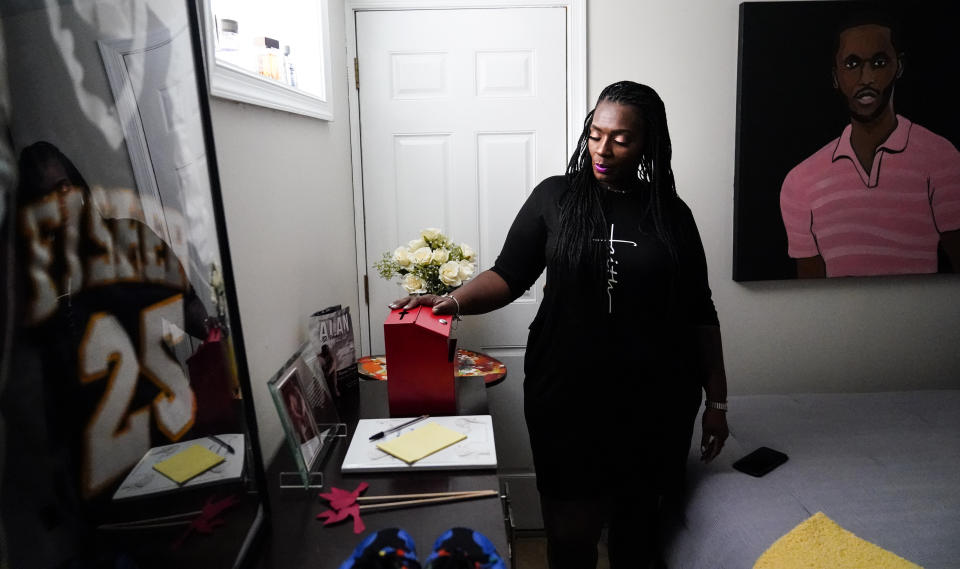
[{"x": 299, "y": 540}]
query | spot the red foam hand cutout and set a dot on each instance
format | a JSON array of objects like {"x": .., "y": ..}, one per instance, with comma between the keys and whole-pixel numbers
[
  {"x": 343, "y": 504},
  {"x": 334, "y": 516},
  {"x": 340, "y": 499},
  {"x": 207, "y": 520}
]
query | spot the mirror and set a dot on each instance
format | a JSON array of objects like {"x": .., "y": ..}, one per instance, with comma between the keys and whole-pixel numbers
[{"x": 127, "y": 435}]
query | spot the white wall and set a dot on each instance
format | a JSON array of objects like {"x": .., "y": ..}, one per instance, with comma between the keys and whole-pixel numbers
[
  {"x": 868, "y": 334},
  {"x": 288, "y": 201}
]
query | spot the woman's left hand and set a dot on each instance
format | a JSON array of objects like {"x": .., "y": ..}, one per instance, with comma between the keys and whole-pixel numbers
[
  {"x": 715, "y": 433},
  {"x": 441, "y": 304}
]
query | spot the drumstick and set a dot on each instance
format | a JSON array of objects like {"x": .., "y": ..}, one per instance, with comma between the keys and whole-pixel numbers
[
  {"x": 460, "y": 496},
  {"x": 425, "y": 495}
]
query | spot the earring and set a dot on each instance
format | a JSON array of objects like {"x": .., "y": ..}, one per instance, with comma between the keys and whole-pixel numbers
[{"x": 643, "y": 173}]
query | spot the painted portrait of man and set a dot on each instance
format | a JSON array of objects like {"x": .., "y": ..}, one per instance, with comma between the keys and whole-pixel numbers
[
  {"x": 884, "y": 196},
  {"x": 868, "y": 179}
]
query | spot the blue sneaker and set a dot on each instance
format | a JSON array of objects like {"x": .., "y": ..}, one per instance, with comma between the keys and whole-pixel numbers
[
  {"x": 464, "y": 548},
  {"x": 390, "y": 548}
]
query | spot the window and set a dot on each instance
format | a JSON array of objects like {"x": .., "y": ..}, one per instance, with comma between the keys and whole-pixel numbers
[{"x": 274, "y": 54}]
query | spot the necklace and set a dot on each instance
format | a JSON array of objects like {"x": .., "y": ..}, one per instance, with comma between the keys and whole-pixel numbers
[{"x": 617, "y": 191}]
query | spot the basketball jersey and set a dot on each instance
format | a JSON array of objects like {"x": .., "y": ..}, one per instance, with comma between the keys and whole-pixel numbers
[{"x": 94, "y": 381}]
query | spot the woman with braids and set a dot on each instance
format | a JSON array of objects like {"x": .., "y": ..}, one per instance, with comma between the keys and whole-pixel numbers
[{"x": 626, "y": 338}]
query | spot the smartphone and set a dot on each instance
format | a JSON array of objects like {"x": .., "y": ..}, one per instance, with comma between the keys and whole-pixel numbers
[{"x": 760, "y": 461}]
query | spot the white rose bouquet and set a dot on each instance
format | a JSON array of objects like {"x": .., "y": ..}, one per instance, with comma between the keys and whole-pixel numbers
[{"x": 431, "y": 263}]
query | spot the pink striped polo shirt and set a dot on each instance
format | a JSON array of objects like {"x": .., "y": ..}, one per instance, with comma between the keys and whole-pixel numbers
[{"x": 886, "y": 221}]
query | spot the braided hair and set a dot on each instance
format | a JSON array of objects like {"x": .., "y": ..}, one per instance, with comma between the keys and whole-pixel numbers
[{"x": 581, "y": 214}]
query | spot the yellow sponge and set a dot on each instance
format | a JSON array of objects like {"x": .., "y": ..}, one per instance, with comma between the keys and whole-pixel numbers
[{"x": 819, "y": 543}]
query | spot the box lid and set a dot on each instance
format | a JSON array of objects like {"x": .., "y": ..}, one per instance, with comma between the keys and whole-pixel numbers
[{"x": 421, "y": 316}]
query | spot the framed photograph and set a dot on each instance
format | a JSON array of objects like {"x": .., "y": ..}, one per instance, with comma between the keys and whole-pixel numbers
[
  {"x": 844, "y": 166},
  {"x": 121, "y": 324},
  {"x": 317, "y": 388},
  {"x": 296, "y": 416}
]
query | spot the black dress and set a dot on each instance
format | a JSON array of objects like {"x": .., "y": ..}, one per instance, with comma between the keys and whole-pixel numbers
[{"x": 611, "y": 387}]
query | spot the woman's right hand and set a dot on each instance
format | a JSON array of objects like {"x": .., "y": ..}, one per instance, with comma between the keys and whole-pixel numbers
[{"x": 440, "y": 304}]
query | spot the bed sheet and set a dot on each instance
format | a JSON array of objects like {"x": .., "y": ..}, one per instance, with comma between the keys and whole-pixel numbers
[{"x": 885, "y": 466}]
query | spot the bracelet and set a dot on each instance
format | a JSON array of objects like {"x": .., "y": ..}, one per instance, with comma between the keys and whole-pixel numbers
[
  {"x": 453, "y": 298},
  {"x": 716, "y": 405}
]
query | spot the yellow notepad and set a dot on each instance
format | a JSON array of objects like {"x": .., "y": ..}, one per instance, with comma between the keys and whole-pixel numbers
[
  {"x": 188, "y": 463},
  {"x": 424, "y": 441}
]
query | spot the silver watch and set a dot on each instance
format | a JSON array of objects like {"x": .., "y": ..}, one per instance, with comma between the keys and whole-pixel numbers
[{"x": 716, "y": 405}]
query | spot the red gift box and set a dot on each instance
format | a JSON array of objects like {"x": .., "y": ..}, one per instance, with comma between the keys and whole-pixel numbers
[{"x": 420, "y": 362}]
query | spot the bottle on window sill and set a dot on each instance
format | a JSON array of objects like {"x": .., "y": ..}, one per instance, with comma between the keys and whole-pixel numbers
[
  {"x": 269, "y": 62},
  {"x": 289, "y": 76}
]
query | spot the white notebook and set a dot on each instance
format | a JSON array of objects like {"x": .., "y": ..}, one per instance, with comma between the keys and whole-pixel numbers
[
  {"x": 477, "y": 451},
  {"x": 143, "y": 480}
]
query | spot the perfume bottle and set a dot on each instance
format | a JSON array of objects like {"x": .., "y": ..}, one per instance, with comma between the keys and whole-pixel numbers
[
  {"x": 289, "y": 76},
  {"x": 228, "y": 41},
  {"x": 269, "y": 62}
]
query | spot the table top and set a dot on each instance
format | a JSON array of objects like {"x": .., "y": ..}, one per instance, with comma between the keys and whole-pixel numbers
[
  {"x": 469, "y": 364},
  {"x": 299, "y": 540}
]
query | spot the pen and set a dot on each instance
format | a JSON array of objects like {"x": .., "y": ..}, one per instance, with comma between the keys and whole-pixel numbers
[
  {"x": 221, "y": 442},
  {"x": 386, "y": 432}
]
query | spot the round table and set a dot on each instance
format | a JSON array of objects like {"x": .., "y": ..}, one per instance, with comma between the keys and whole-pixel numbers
[{"x": 469, "y": 364}]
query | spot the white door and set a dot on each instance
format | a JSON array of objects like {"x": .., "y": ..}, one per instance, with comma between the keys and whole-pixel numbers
[
  {"x": 462, "y": 113},
  {"x": 155, "y": 89}
]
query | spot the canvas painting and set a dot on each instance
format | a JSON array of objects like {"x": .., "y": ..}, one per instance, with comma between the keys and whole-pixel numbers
[{"x": 847, "y": 133}]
